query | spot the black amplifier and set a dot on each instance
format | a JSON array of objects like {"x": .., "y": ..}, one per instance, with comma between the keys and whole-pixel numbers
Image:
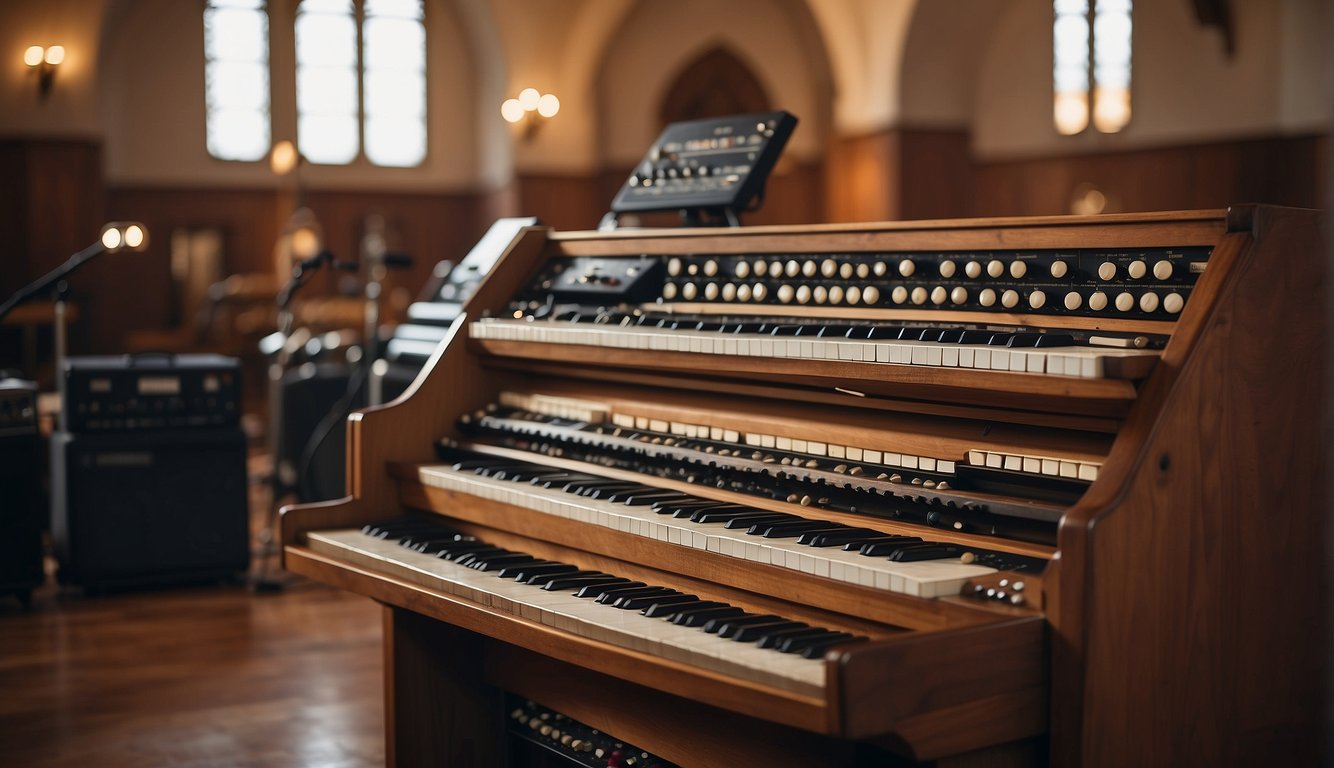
[
  {"x": 151, "y": 392},
  {"x": 22, "y": 517}
]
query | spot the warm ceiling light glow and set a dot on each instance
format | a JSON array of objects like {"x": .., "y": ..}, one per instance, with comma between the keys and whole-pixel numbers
[
  {"x": 305, "y": 243},
  {"x": 55, "y": 54},
  {"x": 111, "y": 239},
  {"x": 511, "y": 110},
  {"x": 548, "y": 105},
  {"x": 283, "y": 158},
  {"x": 33, "y": 56},
  {"x": 528, "y": 99}
]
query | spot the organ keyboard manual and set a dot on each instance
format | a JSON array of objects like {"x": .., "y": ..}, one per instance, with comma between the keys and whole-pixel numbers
[{"x": 997, "y": 491}]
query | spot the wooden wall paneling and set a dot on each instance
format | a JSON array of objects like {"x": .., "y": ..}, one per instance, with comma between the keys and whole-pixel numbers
[
  {"x": 570, "y": 202},
  {"x": 860, "y": 178}
]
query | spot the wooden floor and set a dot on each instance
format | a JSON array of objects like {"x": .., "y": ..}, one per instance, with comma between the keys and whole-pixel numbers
[{"x": 206, "y": 676}]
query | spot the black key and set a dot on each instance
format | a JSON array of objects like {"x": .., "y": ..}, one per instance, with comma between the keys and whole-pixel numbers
[
  {"x": 885, "y": 547},
  {"x": 1000, "y": 339},
  {"x": 481, "y": 563},
  {"x": 798, "y": 642},
  {"x": 667, "y": 507},
  {"x": 951, "y": 336},
  {"x": 667, "y": 611},
  {"x": 476, "y": 555},
  {"x": 816, "y": 649},
  {"x": 612, "y": 595},
  {"x": 1023, "y": 339},
  {"x": 509, "y": 573},
  {"x": 751, "y": 634},
  {"x": 566, "y": 581},
  {"x": 645, "y": 601},
  {"x": 1049, "y": 339},
  {"x": 837, "y": 537},
  {"x": 925, "y": 551},
  {"x": 726, "y": 626},
  {"x": 747, "y": 522},
  {"x": 785, "y": 330},
  {"x": 976, "y": 337},
  {"x": 790, "y": 530},
  {"x": 648, "y": 497},
  {"x": 699, "y": 618},
  {"x": 772, "y": 639},
  {"x": 529, "y": 570},
  {"x": 884, "y": 332},
  {"x": 598, "y": 590},
  {"x": 541, "y": 580},
  {"x": 463, "y": 549},
  {"x": 721, "y": 514},
  {"x": 931, "y": 334}
]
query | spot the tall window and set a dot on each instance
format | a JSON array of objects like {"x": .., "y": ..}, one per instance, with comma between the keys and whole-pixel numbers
[
  {"x": 361, "y": 81},
  {"x": 1091, "y": 58},
  {"x": 236, "y": 78}
]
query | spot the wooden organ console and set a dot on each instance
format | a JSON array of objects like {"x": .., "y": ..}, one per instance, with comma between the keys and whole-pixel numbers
[{"x": 1004, "y": 491}]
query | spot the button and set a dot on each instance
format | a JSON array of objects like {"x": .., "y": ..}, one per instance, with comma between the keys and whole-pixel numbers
[
  {"x": 819, "y": 294},
  {"x": 1125, "y": 302},
  {"x": 1073, "y": 300},
  {"x": 1173, "y": 303},
  {"x": 938, "y": 295},
  {"x": 846, "y": 271},
  {"x": 711, "y": 291},
  {"x": 1018, "y": 269},
  {"x": 906, "y": 267},
  {"x": 995, "y": 268},
  {"x": 898, "y": 295},
  {"x": 1106, "y": 270},
  {"x": 871, "y": 295},
  {"x": 776, "y": 269},
  {"x": 1149, "y": 302},
  {"x": 829, "y": 267},
  {"x": 947, "y": 269},
  {"x": 1059, "y": 269},
  {"x": 863, "y": 271},
  {"x": 803, "y": 294},
  {"x": 743, "y": 293},
  {"x": 919, "y": 295},
  {"x": 959, "y": 295},
  {"x": 853, "y": 294},
  {"x": 1162, "y": 269},
  {"x": 1098, "y": 301},
  {"x": 689, "y": 291},
  {"x": 973, "y": 269},
  {"x": 729, "y": 292},
  {"x": 880, "y": 269},
  {"x": 760, "y": 268},
  {"x": 741, "y": 270},
  {"x": 793, "y": 268},
  {"x": 785, "y": 293},
  {"x": 710, "y": 268},
  {"x": 673, "y": 266},
  {"x": 1036, "y": 299},
  {"x": 987, "y": 297},
  {"x": 836, "y": 295},
  {"x": 759, "y": 292},
  {"x": 669, "y": 291},
  {"x": 1010, "y": 299},
  {"x": 1137, "y": 269},
  {"x": 808, "y": 268}
]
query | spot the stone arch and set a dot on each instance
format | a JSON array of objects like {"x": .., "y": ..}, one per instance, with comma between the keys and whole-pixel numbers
[{"x": 716, "y": 83}]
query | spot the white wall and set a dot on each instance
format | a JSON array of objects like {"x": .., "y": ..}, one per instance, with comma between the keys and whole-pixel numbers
[{"x": 71, "y": 110}]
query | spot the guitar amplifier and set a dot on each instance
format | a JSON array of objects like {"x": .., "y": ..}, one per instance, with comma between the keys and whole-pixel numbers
[
  {"x": 21, "y": 514},
  {"x": 148, "y": 477}
]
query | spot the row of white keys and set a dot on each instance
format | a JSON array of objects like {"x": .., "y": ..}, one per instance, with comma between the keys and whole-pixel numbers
[
  {"x": 1082, "y": 362},
  {"x": 584, "y": 617},
  {"x": 932, "y": 578}
]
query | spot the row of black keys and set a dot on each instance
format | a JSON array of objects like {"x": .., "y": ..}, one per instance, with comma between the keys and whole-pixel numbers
[
  {"x": 754, "y": 522},
  {"x": 856, "y": 332},
  {"x": 712, "y": 616}
]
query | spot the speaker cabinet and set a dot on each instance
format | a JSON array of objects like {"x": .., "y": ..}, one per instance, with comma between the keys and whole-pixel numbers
[
  {"x": 148, "y": 508},
  {"x": 22, "y": 517}
]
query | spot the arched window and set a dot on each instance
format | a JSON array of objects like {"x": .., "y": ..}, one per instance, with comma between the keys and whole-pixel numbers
[
  {"x": 236, "y": 79},
  {"x": 715, "y": 84},
  {"x": 1091, "y": 57}
]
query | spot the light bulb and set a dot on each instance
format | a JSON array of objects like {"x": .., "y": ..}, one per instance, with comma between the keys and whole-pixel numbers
[
  {"x": 134, "y": 236},
  {"x": 528, "y": 99},
  {"x": 548, "y": 105},
  {"x": 33, "y": 56},
  {"x": 111, "y": 239},
  {"x": 55, "y": 54},
  {"x": 511, "y": 110}
]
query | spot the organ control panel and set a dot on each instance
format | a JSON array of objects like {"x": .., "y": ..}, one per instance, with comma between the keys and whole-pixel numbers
[{"x": 849, "y": 495}]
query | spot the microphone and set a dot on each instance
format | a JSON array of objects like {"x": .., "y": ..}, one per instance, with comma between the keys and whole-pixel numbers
[
  {"x": 116, "y": 236},
  {"x": 396, "y": 260}
]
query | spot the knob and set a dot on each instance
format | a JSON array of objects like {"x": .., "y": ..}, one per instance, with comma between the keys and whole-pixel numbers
[
  {"x": 741, "y": 270},
  {"x": 1149, "y": 302},
  {"x": 906, "y": 267},
  {"x": 919, "y": 295},
  {"x": 711, "y": 291},
  {"x": 729, "y": 292},
  {"x": 853, "y": 294},
  {"x": 1059, "y": 269},
  {"x": 689, "y": 291},
  {"x": 938, "y": 295},
  {"x": 743, "y": 292},
  {"x": 1073, "y": 300},
  {"x": 669, "y": 291},
  {"x": 785, "y": 293},
  {"x": 835, "y": 295},
  {"x": 1036, "y": 299},
  {"x": 829, "y": 267},
  {"x": 819, "y": 294},
  {"x": 673, "y": 266},
  {"x": 899, "y": 294},
  {"x": 1125, "y": 302},
  {"x": 1137, "y": 269},
  {"x": 871, "y": 295},
  {"x": 758, "y": 291},
  {"x": 1162, "y": 269},
  {"x": 1098, "y": 301},
  {"x": 803, "y": 294},
  {"x": 1106, "y": 270},
  {"x": 863, "y": 271},
  {"x": 1173, "y": 303},
  {"x": 760, "y": 268},
  {"x": 880, "y": 269},
  {"x": 846, "y": 271},
  {"x": 710, "y": 268},
  {"x": 1010, "y": 299},
  {"x": 808, "y": 268},
  {"x": 1018, "y": 269},
  {"x": 947, "y": 269},
  {"x": 973, "y": 269},
  {"x": 793, "y": 268},
  {"x": 995, "y": 268},
  {"x": 776, "y": 269},
  {"x": 987, "y": 297},
  {"x": 959, "y": 295}
]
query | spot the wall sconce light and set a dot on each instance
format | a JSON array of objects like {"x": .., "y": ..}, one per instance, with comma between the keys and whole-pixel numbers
[
  {"x": 530, "y": 109},
  {"x": 44, "y": 62}
]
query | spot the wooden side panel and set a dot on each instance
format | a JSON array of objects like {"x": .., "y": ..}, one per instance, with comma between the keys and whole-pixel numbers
[{"x": 1198, "y": 588}]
